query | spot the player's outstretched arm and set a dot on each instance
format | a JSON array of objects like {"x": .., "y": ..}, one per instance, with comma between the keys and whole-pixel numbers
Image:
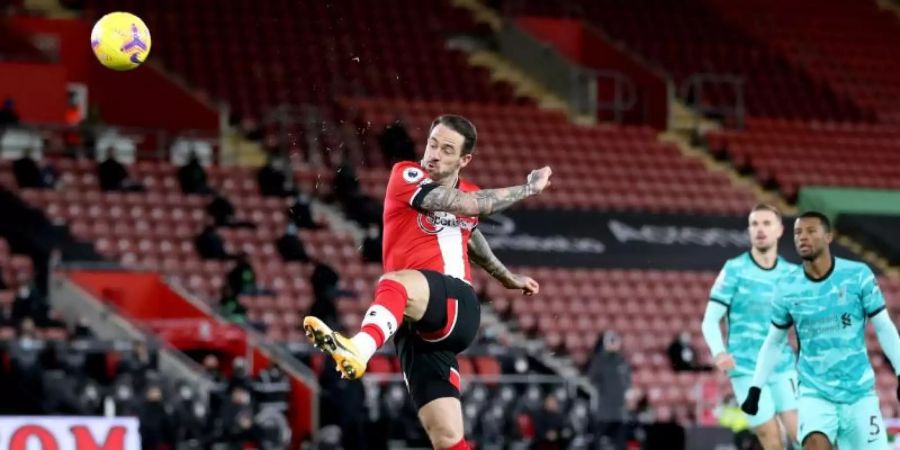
[
  {"x": 765, "y": 363},
  {"x": 481, "y": 254},
  {"x": 712, "y": 334},
  {"x": 485, "y": 201},
  {"x": 886, "y": 332}
]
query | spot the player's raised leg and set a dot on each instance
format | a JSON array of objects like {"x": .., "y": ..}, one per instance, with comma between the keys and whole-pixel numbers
[
  {"x": 399, "y": 295},
  {"x": 443, "y": 421}
]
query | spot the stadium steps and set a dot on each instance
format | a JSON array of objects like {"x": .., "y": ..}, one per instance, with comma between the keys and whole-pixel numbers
[
  {"x": 869, "y": 255},
  {"x": 503, "y": 70},
  {"x": 682, "y": 140},
  {"x": 683, "y": 119},
  {"x": 523, "y": 85},
  {"x": 240, "y": 151},
  {"x": 49, "y": 8},
  {"x": 890, "y": 5},
  {"x": 236, "y": 149},
  {"x": 562, "y": 364},
  {"x": 481, "y": 13}
]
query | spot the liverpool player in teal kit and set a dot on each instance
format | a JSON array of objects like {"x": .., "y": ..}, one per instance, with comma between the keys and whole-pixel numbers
[
  {"x": 828, "y": 302},
  {"x": 743, "y": 293}
]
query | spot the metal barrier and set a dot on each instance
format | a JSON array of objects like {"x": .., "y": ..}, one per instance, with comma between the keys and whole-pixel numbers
[
  {"x": 576, "y": 85},
  {"x": 692, "y": 92},
  {"x": 129, "y": 143},
  {"x": 574, "y": 386},
  {"x": 75, "y": 304},
  {"x": 624, "y": 96}
]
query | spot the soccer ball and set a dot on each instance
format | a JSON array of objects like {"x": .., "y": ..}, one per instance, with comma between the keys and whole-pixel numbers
[{"x": 120, "y": 41}]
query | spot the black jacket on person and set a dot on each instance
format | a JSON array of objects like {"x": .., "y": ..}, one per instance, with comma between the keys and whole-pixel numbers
[
  {"x": 291, "y": 248},
  {"x": 156, "y": 427},
  {"x": 112, "y": 175},
  {"x": 210, "y": 245},
  {"x": 192, "y": 178},
  {"x": 28, "y": 173}
]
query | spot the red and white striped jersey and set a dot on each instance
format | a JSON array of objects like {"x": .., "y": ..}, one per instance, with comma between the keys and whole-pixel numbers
[{"x": 417, "y": 239}]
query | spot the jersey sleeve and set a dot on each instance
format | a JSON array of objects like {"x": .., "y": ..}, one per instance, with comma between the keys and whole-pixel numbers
[
  {"x": 725, "y": 285},
  {"x": 408, "y": 184},
  {"x": 870, "y": 293},
  {"x": 781, "y": 314}
]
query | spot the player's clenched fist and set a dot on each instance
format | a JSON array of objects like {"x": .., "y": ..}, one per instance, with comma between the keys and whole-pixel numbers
[
  {"x": 725, "y": 362},
  {"x": 539, "y": 179}
]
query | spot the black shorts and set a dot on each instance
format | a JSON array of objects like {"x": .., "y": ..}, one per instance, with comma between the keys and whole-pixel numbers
[{"x": 428, "y": 347}]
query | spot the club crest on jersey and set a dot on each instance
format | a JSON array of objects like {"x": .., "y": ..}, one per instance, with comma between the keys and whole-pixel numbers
[
  {"x": 413, "y": 175},
  {"x": 434, "y": 222}
]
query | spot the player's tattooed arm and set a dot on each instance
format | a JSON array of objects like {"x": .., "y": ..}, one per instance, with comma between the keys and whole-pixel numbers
[
  {"x": 481, "y": 254},
  {"x": 485, "y": 201},
  {"x": 479, "y": 203}
]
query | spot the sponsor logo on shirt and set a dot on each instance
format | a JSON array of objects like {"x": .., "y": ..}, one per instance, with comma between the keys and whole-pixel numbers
[{"x": 435, "y": 221}]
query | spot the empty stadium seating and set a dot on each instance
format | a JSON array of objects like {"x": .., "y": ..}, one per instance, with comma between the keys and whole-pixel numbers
[
  {"x": 847, "y": 45},
  {"x": 793, "y": 154},
  {"x": 688, "y": 37},
  {"x": 285, "y": 52},
  {"x": 619, "y": 168}
]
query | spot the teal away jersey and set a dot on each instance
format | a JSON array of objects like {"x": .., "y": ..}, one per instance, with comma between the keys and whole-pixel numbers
[
  {"x": 747, "y": 290},
  {"x": 829, "y": 316}
]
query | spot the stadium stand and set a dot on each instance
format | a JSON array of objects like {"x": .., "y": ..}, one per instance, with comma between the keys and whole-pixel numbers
[
  {"x": 779, "y": 153},
  {"x": 617, "y": 168},
  {"x": 366, "y": 66},
  {"x": 395, "y": 50},
  {"x": 848, "y": 46},
  {"x": 685, "y": 38}
]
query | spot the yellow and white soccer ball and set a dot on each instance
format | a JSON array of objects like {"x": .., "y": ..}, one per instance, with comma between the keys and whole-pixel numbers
[{"x": 120, "y": 41}]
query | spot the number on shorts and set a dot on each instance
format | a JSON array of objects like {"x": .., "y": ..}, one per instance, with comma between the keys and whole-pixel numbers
[{"x": 873, "y": 423}]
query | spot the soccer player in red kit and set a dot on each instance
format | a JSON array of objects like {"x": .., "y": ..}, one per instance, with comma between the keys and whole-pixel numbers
[{"x": 425, "y": 296}]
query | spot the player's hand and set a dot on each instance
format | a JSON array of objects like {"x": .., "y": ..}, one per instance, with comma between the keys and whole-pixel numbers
[
  {"x": 539, "y": 179},
  {"x": 751, "y": 404},
  {"x": 725, "y": 362},
  {"x": 526, "y": 284}
]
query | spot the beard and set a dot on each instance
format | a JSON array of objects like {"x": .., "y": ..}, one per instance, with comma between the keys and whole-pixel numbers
[
  {"x": 813, "y": 254},
  {"x": 764, "y": 249}
]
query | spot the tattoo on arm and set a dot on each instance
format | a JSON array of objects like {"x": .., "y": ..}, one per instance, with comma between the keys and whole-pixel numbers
[
  {"x": 480, "y": 253},
  {"x": 478, "y": 203}
]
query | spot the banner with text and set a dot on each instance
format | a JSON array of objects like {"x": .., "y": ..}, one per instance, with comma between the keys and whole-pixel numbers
[
  {"x": 69, "y": 433},
  {"x": 622, "y": 240}
]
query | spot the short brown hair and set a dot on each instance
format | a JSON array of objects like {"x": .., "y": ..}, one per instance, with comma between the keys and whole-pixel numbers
[
  {"x": 766, "y": 207},
  {"x": 460, "y": 125}
]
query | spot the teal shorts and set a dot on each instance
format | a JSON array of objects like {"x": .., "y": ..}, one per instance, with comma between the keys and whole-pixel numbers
[
  {"x": 856, "y": 426},
  {"x": 777, "y": 396}
]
